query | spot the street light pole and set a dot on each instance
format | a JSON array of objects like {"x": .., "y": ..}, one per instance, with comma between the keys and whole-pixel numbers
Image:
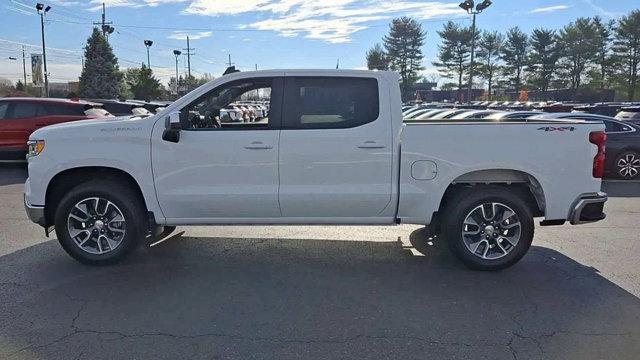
[
  {"x": 148, "y": 44},
  {"x": 42, "y": 10},
  {"x": 24, "y": 67},
  {"x": 473, "y": 50},
  {"x": 177, "y": 53},
  {"x": 468, "y": 6}
]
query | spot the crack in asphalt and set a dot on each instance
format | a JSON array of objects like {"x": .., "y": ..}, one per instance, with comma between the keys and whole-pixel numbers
[{"x": 76, "y": 330}]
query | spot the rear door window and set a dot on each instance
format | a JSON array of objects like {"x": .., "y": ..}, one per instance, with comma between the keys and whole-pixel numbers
[
  {"x": 63, "y": 110},
  {"x": 22, "y": 110},
  {"x": 330, "y": 103},
  {"x": 4, "y": 106}
]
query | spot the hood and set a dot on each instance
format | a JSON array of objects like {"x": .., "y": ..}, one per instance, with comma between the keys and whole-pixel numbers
[{"x": 98, "y": 124}]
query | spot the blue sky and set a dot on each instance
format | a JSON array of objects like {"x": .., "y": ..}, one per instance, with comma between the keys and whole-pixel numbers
[{"x": 269, "y": 33}]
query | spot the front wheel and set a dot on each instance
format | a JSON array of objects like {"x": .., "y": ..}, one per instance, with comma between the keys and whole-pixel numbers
[
  {"x": 100, "y": 222},
  {"x": 488, "y": 228}
]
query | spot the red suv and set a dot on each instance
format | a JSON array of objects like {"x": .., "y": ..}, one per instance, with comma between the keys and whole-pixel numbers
[{"x": 19, "y": 117}]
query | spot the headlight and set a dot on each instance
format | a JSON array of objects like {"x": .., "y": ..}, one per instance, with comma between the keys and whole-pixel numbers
[{"x": 35, "y": 148}]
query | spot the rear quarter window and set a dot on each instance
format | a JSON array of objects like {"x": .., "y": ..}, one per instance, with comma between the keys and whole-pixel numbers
[{"x": 330, "y": 103}]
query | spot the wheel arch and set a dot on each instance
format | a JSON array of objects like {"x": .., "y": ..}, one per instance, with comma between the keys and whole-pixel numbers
[
  {"x": 64, "y": 181},
  {"x": 524, "y": 184}
]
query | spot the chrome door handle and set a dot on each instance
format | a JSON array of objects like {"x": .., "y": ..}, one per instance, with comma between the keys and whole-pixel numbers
[
  {"x": 258, "y": 145},
  {"x": 371, "y": 145}
]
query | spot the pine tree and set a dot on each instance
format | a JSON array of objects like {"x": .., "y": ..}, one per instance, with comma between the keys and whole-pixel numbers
[
  {"x": 100, "y": 75},
  {"x": 489, "y": 50},
  {"x": 627, "y": 50},
  {"x": 20, "y": 86},
  {"x": 604, "y": 58},
  {"x": 403, "y": 46},
  {"x": 377, "y": 58},
  {"x": 454, "y": 53},
  {"x": 142, "y": 84},
  {"x": 514, "y": 55},
  {"x": 578, "y": 42},
  {"x": 543, "y": 58}
]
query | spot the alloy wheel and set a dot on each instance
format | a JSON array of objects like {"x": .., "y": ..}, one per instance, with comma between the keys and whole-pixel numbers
[
  {"x": 96, "y": 225},
  {"x": 491, "y": 230},
  {"x": 629, "y": 166}
]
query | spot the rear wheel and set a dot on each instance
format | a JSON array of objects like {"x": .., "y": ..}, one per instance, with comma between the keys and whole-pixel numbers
[
  {"x": 488, "y": 228},
  {"x": 100, "y": 222},
  {"x": 628, "y": 165}
]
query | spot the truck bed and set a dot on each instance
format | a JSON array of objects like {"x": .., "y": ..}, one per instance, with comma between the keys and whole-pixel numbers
[{"x": 556, "y": 154}]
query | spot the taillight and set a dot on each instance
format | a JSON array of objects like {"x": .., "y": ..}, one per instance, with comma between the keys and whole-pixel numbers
[{"x": 598, "y": 138}]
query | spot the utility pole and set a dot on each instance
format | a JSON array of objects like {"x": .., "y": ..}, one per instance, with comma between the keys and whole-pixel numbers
[
  {"x": 106, "y": 27},
  {"x": 256, "y": 67},
  {"x": 229, "y": 64},
  {"x": 42, "y": 10},
  {"x": 24, "y": 67},
  {"x": 189, "y": 50}
]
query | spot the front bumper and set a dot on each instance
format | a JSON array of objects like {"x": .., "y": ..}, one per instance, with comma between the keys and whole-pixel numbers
[
  {"x": 588, "y": 208},
  {"x": 35, "y": 213}
]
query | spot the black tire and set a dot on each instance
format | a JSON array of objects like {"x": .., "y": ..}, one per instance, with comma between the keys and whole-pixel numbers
[
  {"x": 127, "y": 201},
  {"x": 468, "y": 199},
  {"x": 625, "y": 156}
]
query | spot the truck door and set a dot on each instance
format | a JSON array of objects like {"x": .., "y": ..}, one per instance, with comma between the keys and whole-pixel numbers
[
  {"x": 221, "y": 168},
  {"x": 335, "y": 148}
]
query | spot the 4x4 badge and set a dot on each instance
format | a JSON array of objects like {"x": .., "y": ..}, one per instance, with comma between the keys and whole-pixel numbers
[{"x": 557, "y": 128}]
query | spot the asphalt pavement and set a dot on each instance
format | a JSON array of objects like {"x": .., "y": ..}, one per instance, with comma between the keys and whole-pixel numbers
[{"x": 321, "y": 292}]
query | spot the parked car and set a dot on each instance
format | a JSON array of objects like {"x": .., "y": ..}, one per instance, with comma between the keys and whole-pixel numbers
[
  {"x": 19, "y": 117},
  {"x": 447, "y": 114},
  {"x": 513, "y": 115},
  {"x": 338, "y": 154},
  {"x": 607, "y": 109},
  {"x": 623, "y": 144},
  {"x": 153, "y": 107},
  {"x": 428, "y": 114},
  {"x": 123, "y": 108},
  {"x": 560, "y": 107},
  {"x": 630, "y": 114},
  {"x": 474, "y": 114}
]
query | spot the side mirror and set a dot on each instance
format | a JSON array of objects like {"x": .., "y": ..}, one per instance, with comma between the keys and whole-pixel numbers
[{"x": 172, "y": 127}]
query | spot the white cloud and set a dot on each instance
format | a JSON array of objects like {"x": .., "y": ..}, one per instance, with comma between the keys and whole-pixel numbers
[
  {"x": 182, "y": 35},
  {"x": 333, "y": 21},
  {"x": 97, "y": 4},
  {"x": 549, "y": 9}
]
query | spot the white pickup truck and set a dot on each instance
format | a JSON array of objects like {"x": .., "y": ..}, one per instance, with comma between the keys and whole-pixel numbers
[{"x": 333, "y": 149}]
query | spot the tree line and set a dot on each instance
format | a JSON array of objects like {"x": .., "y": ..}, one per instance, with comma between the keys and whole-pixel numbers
[{"x": 586, "y": 53}]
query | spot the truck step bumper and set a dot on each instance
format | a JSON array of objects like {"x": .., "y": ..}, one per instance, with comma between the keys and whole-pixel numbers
[{"x": 588, "y": 208}]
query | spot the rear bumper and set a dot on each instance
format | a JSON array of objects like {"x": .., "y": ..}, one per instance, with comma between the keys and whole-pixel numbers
[
  {"x": 35, "y": 213},
  {"x": 588, "y": 208}
]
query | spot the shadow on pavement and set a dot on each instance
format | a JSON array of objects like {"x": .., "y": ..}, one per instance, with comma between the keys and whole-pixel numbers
[
  {"x": 622, "y": 188},
  {"x": 12, "y": 174},
  {"x": 309, "y": 299}
]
